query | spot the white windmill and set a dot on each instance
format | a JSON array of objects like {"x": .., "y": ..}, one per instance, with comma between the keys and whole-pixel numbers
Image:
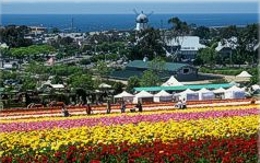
[{"x": 141, "y": 20}]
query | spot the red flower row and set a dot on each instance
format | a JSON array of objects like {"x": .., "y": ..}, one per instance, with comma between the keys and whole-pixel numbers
[{"x": 232, "y": 150}]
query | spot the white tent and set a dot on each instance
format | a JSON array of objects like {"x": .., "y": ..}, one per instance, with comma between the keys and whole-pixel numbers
[
  {"x": 220, "y": 90},
  {"x": 219, "y": 93},
  {"x": 143, "y": 96},
  {"x": 162, "y": 96},
  {"x": 189, "y": 95},
  {"x": 244, "y": 74},
  {"x": 205, "y": 94},
  {"x": 104, "y": 85},
  {"x": 125, "y": 96},
  {"x": 172, "y": 81},
  {"x": 234, "y": 93}
]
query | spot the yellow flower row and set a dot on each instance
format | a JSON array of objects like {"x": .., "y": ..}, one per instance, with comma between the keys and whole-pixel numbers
[
  {"x": 133, "y": 133},
  {"x": 205, "y": 109}
]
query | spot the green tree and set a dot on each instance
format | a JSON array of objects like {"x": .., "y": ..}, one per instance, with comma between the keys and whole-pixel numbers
[
  {"x": 36, "y": 68},
  {"x": 228, "y": 32},
  {"x": 118, "y": 87},
  {"x": 28, "y": 83},
  {"x": 132, "y": 82},
  {"x": 149, "y": 78},
  {"x": 208, "y": 55},
  {"x": 102, "y": 70},
  {"x": 5, "y": 52},
  {"x": 57, "y": 80},
  {"x": 202, "y": 32},
  {"x": 81, "y": 81},
  {"x": 158, "y": 65},
  {"x": 13, "y": 36},
  {"x": 148, "y": 43},
  {"x": 32, "y": 51},
  {"x": 179, "y": 27}
]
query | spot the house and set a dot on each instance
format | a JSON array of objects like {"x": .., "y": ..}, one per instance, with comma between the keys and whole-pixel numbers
[
  {"x": 185, "y": 47},
  {"x": 226, "y": 46},
  {"x": 9, "y": 63},
  {"x": 182, "y": 72},
  {"x": 37, "y": 30}
]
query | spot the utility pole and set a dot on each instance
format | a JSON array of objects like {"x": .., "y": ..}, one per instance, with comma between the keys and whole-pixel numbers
[{"x": 72, "y": 24}]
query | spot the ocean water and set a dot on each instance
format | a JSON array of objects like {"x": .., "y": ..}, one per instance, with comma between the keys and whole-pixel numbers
[{"x": 92, "y": 22}]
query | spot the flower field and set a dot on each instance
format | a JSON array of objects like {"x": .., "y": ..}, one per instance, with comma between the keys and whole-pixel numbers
[{"x": 210, "y": 134}]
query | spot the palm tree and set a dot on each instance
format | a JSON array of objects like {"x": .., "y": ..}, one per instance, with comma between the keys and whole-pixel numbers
[{"x": 179, "y": 28}]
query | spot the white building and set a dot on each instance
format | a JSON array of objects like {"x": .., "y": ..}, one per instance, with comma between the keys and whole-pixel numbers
[
  {"x": 186, "y": 47},
  {"x": 226, "y": 46}
]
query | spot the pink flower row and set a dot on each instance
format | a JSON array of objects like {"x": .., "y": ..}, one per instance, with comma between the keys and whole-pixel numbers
[{"x": 123, "y": 119}]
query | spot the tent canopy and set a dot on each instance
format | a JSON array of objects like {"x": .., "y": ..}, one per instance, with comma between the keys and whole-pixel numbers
[
  {"x": 172, "y": 81},
  {"x": 244, "y": 74},
  {"x": 220, "y": 90},
  {"x": 162, "y": 96},
  {"x": 143, "y": 94},
  {"x": 204, "y": 90},
  {"x": 189, "y": 95},
  {"x": 234, "y": 93},
  {"x": 163, "y": 93},
  {"x": 187, "y": 91},
  {"x": 234, "y": 88},
  {"x": 123, "y": 94},
  {"x": 205, "y": 94}
]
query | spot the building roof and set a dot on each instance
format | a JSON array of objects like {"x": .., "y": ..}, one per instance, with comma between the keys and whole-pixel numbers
[
  {"x": 57, "y": 86},
  {"x": 227, "y": 43},
  {"x": 125, "y": 74},
  {"x": 184, "y": 87},
  {"x": 145, "y": 65},
  {"x": 187, "y": 43},
  {"x": 172, "y": 81}
]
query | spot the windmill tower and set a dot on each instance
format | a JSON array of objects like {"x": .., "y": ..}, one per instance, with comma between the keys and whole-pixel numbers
[{"x": 141, "y": 20}]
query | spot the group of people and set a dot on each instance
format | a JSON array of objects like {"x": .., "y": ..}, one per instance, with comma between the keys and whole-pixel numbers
[
  {"x": 137, "y": 106},
  {"x": 89, "y": 111},
  {"x": 181, "y": 104}
]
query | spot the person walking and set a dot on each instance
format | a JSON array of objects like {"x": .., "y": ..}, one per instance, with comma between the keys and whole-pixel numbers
[
  {"x": 123, "y": 107},
  {"x": 88, "y": 109},
  {"x": 140, "y": 107}
]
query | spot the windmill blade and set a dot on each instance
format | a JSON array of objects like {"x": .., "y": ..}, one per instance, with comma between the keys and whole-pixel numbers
[
  {"x": 150, "y": 13},
  {"x": 135, "y": 11}
]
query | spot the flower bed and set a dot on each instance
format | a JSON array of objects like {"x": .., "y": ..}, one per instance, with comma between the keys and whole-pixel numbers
[{"x": 219, "y": 134}]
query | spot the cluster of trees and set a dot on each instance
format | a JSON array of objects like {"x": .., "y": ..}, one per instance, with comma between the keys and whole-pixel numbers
[
  {"x": 32, "y": 52},
  {"x": 148, "y": 43},
  {"x": 243, "y": 51},
  {"x": 13, "y": 36}
]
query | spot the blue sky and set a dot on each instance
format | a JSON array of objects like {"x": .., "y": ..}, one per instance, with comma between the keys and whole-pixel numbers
[{"x": 126, "y": 7}]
